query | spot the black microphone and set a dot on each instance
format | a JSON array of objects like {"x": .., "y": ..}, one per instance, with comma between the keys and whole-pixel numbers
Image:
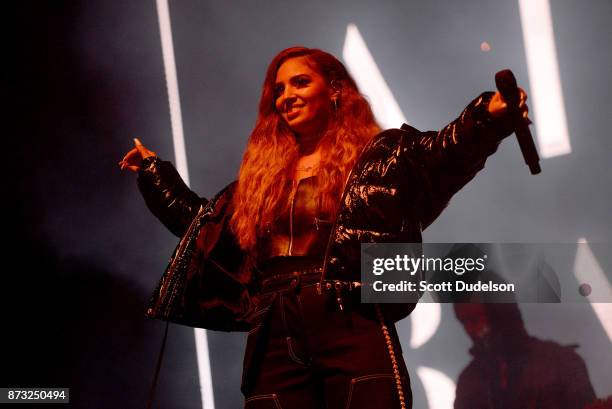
[{"x": 506, "y": 84}]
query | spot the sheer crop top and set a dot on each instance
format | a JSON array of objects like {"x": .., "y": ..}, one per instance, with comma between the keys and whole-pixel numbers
[{"x": 299, "y": 234}]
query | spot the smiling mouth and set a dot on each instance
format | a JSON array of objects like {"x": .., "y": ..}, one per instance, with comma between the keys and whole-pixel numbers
[{"x": 294, "y": 112}]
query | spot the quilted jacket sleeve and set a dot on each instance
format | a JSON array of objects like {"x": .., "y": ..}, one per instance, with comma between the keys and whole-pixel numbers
[
  {"x": 167, "y": 196},
  {"x": 447, "y": 159}
]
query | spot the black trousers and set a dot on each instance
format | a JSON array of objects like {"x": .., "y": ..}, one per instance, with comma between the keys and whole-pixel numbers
[{"x": 307, "y": 353}]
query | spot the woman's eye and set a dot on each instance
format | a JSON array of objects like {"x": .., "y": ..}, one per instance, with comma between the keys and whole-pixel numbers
[
  {"x": 302, "y": 81},
  {"x": 278, "y": 90}
]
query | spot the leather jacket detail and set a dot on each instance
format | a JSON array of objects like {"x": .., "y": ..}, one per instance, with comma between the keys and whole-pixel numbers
[
  {"x": 401, "y": 182},
  {"x": 167, "y": 196}
]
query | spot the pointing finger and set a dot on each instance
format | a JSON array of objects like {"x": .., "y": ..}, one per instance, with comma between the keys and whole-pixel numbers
[{"x": 140, "y": 148}]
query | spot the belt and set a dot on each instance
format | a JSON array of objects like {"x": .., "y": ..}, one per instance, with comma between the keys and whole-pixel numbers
[
  {"x": 291, "y": 280},
  {"x": 297, "y": 279},
  {"x": 339, "y": 287}
]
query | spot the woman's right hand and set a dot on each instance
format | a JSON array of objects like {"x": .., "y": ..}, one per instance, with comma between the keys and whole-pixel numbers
[{"x": 133, "y": 158}]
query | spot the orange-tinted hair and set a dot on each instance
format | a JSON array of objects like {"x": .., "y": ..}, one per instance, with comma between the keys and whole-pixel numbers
[{"x": 269, "y": 161}]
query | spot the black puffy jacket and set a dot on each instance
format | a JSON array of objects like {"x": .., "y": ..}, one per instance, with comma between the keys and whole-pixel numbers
[{"x": 399, "y": 185}]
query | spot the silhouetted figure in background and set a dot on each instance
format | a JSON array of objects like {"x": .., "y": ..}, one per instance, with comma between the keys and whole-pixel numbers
[{"x": 511, "y": 369}]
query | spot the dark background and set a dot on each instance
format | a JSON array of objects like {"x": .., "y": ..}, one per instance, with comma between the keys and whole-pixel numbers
[{"x": 83, "y": 254}]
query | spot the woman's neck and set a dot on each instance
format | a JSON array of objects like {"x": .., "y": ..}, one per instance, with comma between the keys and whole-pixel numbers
[
  {"x": 307, "y": 165},
  {"x": 309, "y": 144}
]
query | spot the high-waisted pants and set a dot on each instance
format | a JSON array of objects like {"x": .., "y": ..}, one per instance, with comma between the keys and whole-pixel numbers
[{"x": 307, "y": 353}]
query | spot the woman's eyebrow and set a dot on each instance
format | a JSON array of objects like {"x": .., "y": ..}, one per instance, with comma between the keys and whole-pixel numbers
[
  {"x": 299, "y": 76},
  {"x": 292, "y": 78}
]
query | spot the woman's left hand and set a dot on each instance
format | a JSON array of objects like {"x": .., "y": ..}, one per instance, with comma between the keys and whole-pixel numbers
[{"x": 498, "y": 108}]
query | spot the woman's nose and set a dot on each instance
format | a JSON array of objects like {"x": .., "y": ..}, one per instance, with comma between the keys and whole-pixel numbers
[{"x": 288, "y": 99}]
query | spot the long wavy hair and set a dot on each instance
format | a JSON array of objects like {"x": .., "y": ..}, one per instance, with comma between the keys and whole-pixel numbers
[{"x": 271, "y": 154}]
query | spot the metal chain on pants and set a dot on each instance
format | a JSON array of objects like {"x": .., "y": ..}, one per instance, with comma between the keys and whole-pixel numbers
[{"x": 396, "y": 373}]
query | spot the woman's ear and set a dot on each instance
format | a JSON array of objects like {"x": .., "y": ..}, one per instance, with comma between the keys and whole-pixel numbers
[
  {"x": 336, "y": 88},
  {"x": 336, "y": 91}
]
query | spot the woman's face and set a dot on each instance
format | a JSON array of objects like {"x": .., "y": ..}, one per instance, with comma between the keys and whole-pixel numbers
[{"x": 303, "y": 97}]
